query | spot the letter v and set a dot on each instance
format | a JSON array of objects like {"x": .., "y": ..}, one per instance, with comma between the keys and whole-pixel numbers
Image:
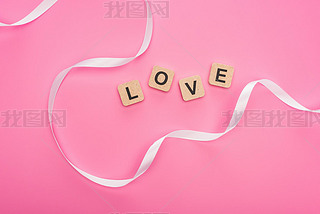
[{"x": 192, "y": 91}]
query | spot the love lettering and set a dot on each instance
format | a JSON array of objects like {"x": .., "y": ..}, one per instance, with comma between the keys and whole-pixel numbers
[{"x": 161, "y": 79}]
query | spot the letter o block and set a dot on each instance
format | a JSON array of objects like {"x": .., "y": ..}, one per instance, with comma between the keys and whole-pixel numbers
[
  {"x": 161, "y": 78},
  {"x": 221, "y": 75}
]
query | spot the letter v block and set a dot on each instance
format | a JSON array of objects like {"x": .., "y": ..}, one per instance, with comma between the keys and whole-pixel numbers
[
  {"x": 130, "y": 92},
  {"x": 191, "y": 88}
]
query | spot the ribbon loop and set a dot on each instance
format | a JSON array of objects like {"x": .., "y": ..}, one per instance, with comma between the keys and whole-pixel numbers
[{"x": 38, "y": 11}]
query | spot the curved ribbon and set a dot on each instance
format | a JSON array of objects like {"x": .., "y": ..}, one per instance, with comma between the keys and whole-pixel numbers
[
  {"x": 182, "y": 134},
  {"x": 38, "y": 11}
]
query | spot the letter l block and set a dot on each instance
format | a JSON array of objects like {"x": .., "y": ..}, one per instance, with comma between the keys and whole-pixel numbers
[{"x": 130, "y": 92}]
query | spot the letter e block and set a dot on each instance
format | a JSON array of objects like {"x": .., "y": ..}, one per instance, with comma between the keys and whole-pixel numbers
[
  {"x": 221, "y": 75},
  {"x": 130, "y": 92},
  {"x": 191, "y": 88},
  {"x": 161, "y": 78}
]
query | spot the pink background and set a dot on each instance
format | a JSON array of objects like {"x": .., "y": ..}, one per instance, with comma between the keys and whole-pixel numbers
[{"x": 249, "y": 170}]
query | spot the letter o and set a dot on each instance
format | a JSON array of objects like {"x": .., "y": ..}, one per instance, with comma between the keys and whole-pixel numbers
[{"x": 165, "y": 78}]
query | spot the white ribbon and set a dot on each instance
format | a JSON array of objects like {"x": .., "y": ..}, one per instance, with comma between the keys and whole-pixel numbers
[
  {"x": 38, "y": 11},
  {"x": 182, "y": 134}
]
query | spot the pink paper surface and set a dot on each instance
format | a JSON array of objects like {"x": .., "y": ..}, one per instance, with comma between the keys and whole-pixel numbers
[{"x": 249, "y": 170}]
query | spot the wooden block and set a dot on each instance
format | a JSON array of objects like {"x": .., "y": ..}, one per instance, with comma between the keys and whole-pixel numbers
[
  {"x": 191, "y": 88},
  {"x": 161, "y": 78},
  {"x": 130, "y": 92},
  {"x": 221, "y": 75}
]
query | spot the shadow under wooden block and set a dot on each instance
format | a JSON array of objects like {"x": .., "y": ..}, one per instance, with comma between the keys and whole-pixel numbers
[
  {"x": 161, "y": 78},
  {"x": 221, "y": 75},
  {"x": 130, "y": 92},
  {"x": 191, "y": 88}
]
